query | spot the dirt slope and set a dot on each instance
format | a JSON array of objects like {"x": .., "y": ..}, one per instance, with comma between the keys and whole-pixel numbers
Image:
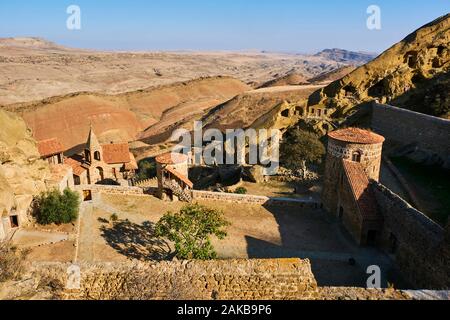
[
  {"x": 331, "y": 76},
  {"x": 290, "y": 79}
]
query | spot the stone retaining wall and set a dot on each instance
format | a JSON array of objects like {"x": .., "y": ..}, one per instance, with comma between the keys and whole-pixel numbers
[
  {"x": 111, "y": 189},
  {"x": 252, "y": 199},
  {"x": 271, "y": 279},
  {"x": 418, "y": 244},
  {"x": 430, "y": 134}
]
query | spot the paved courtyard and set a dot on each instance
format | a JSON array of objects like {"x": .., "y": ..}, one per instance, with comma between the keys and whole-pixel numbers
[{"x": 255, "y": 232}]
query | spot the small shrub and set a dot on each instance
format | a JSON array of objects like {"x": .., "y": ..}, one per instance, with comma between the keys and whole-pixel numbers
[
  {"x": 240, "y": 190},
  {"x": 56, "y": 207},
  {"x": 114, "y": 217},
  {"x": 12, "y": 262}
]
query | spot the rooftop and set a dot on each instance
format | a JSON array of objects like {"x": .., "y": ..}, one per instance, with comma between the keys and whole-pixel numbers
[
  {"x": 50, "y": 147},
  {"x": 359, "y": 183},
  {"x": 172, "y": 158},
  {"x": 181, "y": 177},
  {"x": 356, "y": 135},
  {"x": 116, "y": 153},
  {"x": 76, "y": 164}
]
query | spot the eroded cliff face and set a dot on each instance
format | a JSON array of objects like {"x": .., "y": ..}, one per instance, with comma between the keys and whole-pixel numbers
[
  {"x": 22, "y": 172},
  {"x": 412, "y": 74}
]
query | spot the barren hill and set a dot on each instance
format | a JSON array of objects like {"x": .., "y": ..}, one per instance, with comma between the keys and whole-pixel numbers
[
  {"x": 122, "y": 117},
  {"x": 412, "y": 74},
  {"x": 331, "y": 76},
  {"x": 34, "y": 69},
  {"x": 291, "y": 79}
]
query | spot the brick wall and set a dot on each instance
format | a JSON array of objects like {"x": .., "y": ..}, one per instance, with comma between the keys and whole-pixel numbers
[
  {"x": 417, "y": 244},
  {"x": 430, "y": 134}
]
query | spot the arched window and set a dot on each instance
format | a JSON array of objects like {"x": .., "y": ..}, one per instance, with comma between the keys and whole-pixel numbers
[
  {"x": 356, "y": 156},
  {"x": 87, "y": 155},
  {"x": 97, "y": 155}
]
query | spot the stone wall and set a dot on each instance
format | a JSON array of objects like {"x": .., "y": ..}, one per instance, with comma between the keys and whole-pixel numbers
[
  {"x": 430, "y": 134},
  {"x": 96, "y": 188},
  {"x": 416, "y": 243},
  {"x": 218, "y": 279},
  {"x": 252, "y": 199}
]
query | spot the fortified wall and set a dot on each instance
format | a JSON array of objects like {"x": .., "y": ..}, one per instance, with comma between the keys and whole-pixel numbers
[
  {"x": 420, "y": 247},
  {"x": 429, "y": 134}
]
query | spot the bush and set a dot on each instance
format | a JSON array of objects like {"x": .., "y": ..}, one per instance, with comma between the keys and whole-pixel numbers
[
  {"x": 240, "y": 190},
  {"x": 114, "y": 217},
  {"x": 12, "y": 262},
  {"x": 147, "y": 170},
  {"x": 56, "y": 207},
  {"x": 190, "y": 230}
]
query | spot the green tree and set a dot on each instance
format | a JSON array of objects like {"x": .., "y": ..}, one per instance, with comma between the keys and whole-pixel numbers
[
  {"x": 56, "y": 207},
  {"x": 190, "y": 230},
  {"x": 147, "y": 170},
  {"x": 300, "y": 147}
]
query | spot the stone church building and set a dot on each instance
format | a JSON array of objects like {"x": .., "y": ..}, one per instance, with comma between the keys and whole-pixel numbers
[
  {"x": 107, "y": 163},
  {"x": 99, "y": 163}
]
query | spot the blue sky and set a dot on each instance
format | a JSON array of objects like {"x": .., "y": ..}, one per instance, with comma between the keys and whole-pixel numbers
[{"x": 273, "y": 25}]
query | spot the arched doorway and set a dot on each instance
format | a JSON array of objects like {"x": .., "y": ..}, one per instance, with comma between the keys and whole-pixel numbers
[{"x": 100, "y": 174}]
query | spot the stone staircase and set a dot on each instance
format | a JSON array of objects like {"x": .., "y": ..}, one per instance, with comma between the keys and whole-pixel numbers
[{"x": 183, "y": 195}]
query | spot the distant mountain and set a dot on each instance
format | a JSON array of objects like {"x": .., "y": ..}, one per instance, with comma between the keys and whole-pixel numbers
[
  {"x": 345, "y": 56},
  {"x": 31, "y": 43},
  {"x": 412, "y": 74}
]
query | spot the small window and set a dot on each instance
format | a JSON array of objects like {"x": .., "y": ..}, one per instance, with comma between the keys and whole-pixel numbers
[
  {"x": 97, "y": 156},
  {"x": 356, "y": 156}
]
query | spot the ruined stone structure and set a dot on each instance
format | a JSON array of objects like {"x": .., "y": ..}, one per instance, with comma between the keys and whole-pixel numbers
[
  {"x": 172, "y": 170},
  {"x": 353, "y": 158},
  {"x": 103, "y": 163}
]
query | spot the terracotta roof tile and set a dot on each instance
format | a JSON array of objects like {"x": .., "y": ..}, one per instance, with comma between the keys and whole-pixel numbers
[
  {"x": 76, "y": 164},
  {"x": 180, "y": 176},
  {"x": 172, "y": 158},
  {"x": 50, "y": 147},
  {"x": 116, "y": 153},
  {"x": 356, "y": 135},
  {"x": 359, "y": 183}
]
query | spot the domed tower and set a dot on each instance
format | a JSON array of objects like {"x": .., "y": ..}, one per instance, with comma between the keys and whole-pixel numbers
[{"x": 353, "y": 145}]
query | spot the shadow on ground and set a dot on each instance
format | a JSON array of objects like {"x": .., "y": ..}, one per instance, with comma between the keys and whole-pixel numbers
[{"x": 136, "y": 241}]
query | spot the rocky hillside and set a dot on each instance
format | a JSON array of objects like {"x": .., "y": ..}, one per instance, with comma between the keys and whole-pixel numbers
[
  {"x": 345, "y": 56},
  {"x": 412, "y": 74},
  {"x": 22, "y": 173}
]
